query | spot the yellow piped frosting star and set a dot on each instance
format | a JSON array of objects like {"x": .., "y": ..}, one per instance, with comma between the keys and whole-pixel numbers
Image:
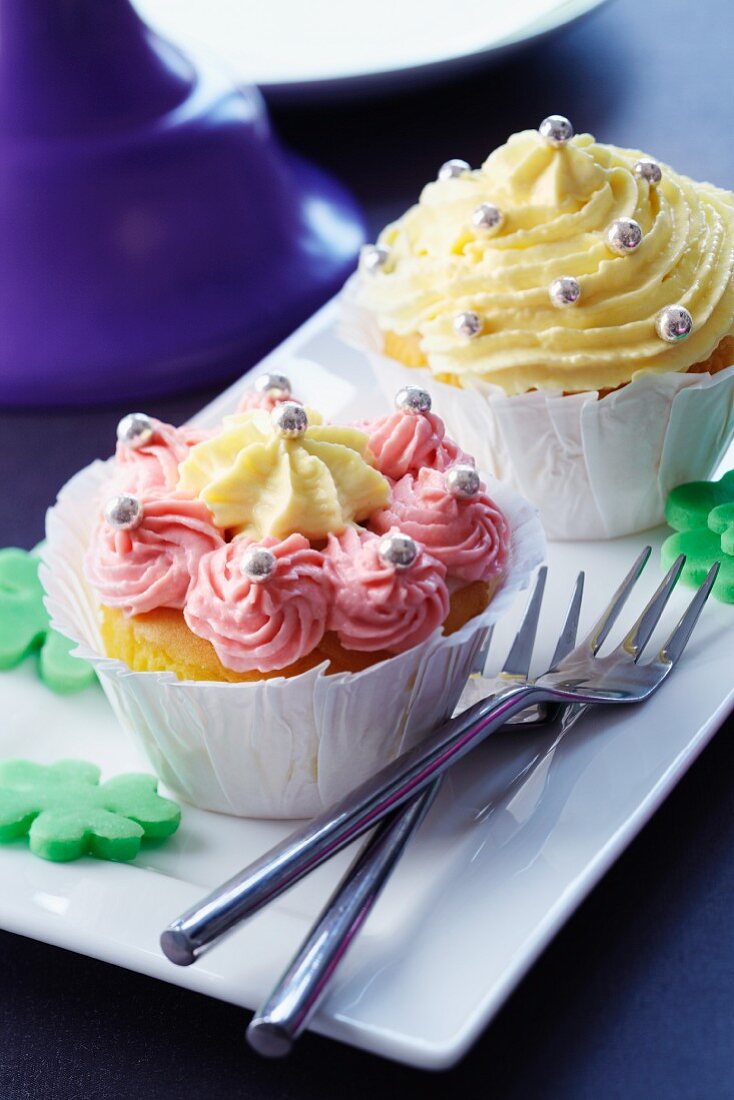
[{"x": 259, "y": 481}]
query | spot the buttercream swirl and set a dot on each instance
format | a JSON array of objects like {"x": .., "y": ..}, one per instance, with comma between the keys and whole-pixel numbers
[
  {"x": 154, "y": 466},
  {"x": 469, "y": 536},
  {"x": 260, "y": 626},
  {"x": 557, "y": 205},
  {"x": 402, "y": 443},
  {"x": 260, "y": 483},
  {"x": 152, "y": 565},
  {"x": 376, "y": 606}
]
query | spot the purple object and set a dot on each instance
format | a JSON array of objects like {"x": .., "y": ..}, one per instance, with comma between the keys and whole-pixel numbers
[{"x": 153, "y": 234}]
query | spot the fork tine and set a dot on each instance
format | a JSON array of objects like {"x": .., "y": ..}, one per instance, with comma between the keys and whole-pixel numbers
[
  {"x": 678, "y": 640},
  {"x": 640, "y": 634},
  {"x": 567, "y": 640},
  {"x": 518, "y": 659},
  {"x": 601, "y": 628}
]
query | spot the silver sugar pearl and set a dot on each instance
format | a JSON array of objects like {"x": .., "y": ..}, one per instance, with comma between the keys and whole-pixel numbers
[
  {"x": 624, "y": 235},
  {"x": 258, "y": 564},
  {"x": 463, "y": 481},
  {"x": 135, "y": 430},
  {"x": 374, "y": 258},
  {"x": 273, "y": 383},
  {"x": 564, "y": 291},
  {"x": 452, "y": 169},
  {"x": 290, "y": 419},
  {"x": 649, "y": 170},
  {"x": 673, "y": 323},
  {"x": 488, "y": 217},
  {"x": 124, "y": 512},
  {"x": 468, "y": 324},
  {"x": 556, "y": 130},
  {"x": 398, "y": 550},
  {"x": 412, "y": 399}
]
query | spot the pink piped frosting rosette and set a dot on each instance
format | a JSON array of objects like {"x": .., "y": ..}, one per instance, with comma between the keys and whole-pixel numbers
[
  {"x": 153, "y": 466},
  {"x": 376, "y": 606},
  {"x": 469, "y": 537},
  {"x": 405, "y": 443},
  {"x": 287, "y": 746},
  {"x": 269, "y": 391},
  {"x": 153, "y": 564},
  {"x": 255, "y": 625}
]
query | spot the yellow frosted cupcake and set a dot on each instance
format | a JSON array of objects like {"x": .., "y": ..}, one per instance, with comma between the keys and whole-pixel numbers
[
  {"x": 560, "y": 264},
  {"x": 564, "y": 268}
]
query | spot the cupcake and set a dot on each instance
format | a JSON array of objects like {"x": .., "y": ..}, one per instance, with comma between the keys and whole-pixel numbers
[
  {"x": 293, "y": 607},
  {"x": 573, "y": 304}
]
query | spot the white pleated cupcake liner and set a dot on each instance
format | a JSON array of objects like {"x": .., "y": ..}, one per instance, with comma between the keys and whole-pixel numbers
[
  {"x": 281, "y": 748},
  {"x": 595, "y": 469}
]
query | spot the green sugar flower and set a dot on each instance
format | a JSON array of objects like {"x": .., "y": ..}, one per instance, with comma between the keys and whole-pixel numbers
[
  {"x": 66, "y": 812},
  {"x": 702, "y": 512},
  {"x": 25, "y": 627}
]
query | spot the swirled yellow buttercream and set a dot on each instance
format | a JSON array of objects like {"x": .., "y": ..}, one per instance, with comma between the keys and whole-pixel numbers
[
  {"x": 258, "y": 482},
  {"x": 557, "y": 204}
]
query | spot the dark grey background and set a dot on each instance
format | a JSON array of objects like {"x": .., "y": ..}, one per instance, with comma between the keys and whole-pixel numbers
[{"x": 635, "y": 997}]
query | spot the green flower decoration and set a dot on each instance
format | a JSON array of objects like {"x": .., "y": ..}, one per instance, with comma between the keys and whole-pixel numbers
[
  {"x": 703, "y": 514},
  {"x": 66, "y": 812},
  {"x": 24, "y": 626}
]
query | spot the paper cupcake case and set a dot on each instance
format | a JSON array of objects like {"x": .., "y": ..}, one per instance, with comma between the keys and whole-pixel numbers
[
  {"x": 594, "y": 469},
  {"x": 280, "y": 748}
]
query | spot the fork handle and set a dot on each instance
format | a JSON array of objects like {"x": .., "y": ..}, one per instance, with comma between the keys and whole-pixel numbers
[
  {"x": 276, "y": 1025},
  {"x": 324, "y": 836}
]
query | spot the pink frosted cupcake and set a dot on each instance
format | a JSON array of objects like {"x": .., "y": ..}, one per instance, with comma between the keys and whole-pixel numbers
[
  {"x": 175, "y": 567},
  {"x": 278, "y": 607}
]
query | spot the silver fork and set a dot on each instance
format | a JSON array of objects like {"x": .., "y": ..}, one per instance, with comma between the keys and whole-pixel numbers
[
  {"x": 581, "y": 677},
  {"x": 286, "y": 1013}
]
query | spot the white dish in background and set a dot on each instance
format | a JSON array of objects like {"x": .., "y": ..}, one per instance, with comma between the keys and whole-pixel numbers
[
  {"x": 521, "y": 832},
  {"x": 290, "y": 48}
]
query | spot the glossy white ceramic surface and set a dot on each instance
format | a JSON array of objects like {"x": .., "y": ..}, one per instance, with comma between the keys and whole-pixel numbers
[
  {"x": 292, "y": 49},
  {"x": 521, "y": 832}
]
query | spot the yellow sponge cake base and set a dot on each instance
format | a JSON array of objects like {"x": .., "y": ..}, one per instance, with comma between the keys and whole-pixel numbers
[{"x": 160, "y": 641}]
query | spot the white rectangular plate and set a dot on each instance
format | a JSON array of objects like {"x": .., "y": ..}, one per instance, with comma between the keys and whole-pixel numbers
[{"x": 522, "y": 830}]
